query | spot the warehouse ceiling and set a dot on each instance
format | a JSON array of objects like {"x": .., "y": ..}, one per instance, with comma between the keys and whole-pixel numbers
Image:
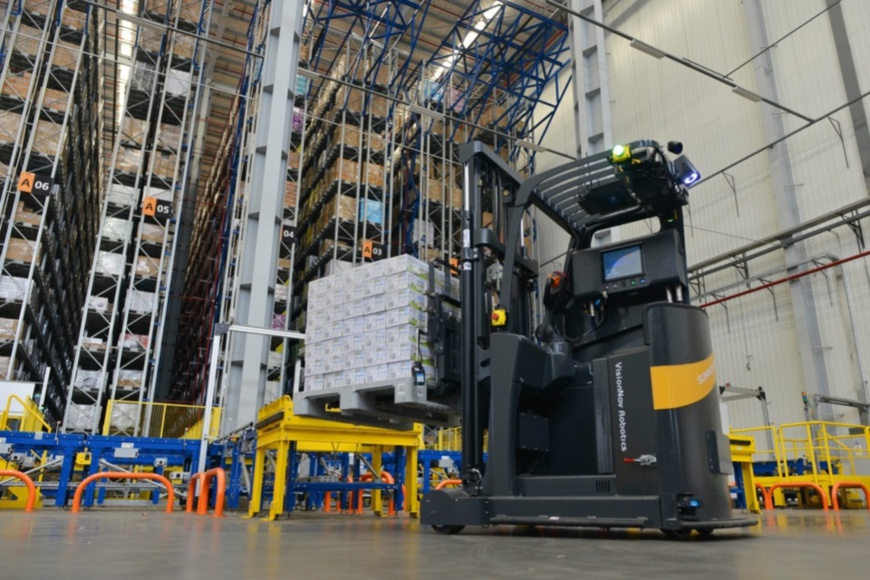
[{"x": 228, "y": 45}]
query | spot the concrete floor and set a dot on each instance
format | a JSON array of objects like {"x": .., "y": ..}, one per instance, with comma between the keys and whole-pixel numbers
[{"x": 127, "y": 544}]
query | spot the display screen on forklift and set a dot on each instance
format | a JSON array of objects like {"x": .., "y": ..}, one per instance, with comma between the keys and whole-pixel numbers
[{"x": 622, "y": 263}]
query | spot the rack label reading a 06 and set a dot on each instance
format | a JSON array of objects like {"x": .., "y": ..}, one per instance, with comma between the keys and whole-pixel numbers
[{"x": 34, "y": 183}]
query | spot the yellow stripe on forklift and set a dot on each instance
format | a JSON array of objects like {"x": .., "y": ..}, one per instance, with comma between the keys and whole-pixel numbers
[{"x": 675, "y": 386}]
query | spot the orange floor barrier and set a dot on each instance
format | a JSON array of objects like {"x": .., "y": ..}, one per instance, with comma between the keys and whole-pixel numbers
[
  {"x": 835, "y": 502},
  {"x": 447, "y": 482},
  {"x": 31, "y": 488},
  {"x": 388, "y": 478},
  {"x": 191, "y": 491},
  {"x": 764, "y": 493},
  {"x": 220, "y": 492},
  {"x": 768, "y": 499},
  {"x": 80, "y": 490}
]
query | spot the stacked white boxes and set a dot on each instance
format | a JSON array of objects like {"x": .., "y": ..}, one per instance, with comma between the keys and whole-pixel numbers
[{"x": 366, "y": 325}]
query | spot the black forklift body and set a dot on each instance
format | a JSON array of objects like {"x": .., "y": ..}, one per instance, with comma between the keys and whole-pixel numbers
[{"x": 606, "y": 414}]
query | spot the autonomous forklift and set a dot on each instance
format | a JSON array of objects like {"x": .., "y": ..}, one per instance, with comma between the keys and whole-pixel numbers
[{"x": 605, "y": 413}]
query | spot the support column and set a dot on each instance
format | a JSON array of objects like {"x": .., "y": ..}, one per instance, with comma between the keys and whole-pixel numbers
[
  {"x": 788, "y": 212},
  {"x": 591, "y": 83},
  {"x": 258, "y": 270},
  {"x": 850, "y": 82}
]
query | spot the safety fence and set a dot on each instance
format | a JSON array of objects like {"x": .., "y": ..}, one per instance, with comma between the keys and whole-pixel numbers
[
  {"x": 814, "y": 450},
  {"x": 168, "y": 420},
  {"x": 449, "y": 439},
  {"x": 22, "y": 415}
]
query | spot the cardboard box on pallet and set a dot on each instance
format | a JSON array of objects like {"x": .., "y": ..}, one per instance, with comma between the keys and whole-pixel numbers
[
  {"x": 370, "y": 304},
  {"x": 110, "y": 264},
  {"x": 139, "y": 301},
  {"x": 346, "y": 135},
  {"x": 18, "y": 85},
  {"x": 28, "y": 42},
  {"x": 374, "y": 175},
  {"x": 9, "y": 124},
  {"x": 24, "y": 215},
  {"x": 22, "y": 251},
  {"x": 8, "y": 328},
  {"x": 152, "y": 233},
  {"x": 293, "y": 159},
  {"x": 147, "y": 267},
  {"x": 135, "y": 341},
  {"x": 116, "y": 229},
  {"x": 81, "y": 417},
  {"x": 164, "y": 163},
  {"x": 340, "y": 206},
  {"x": 184, "y": 46},
  {"x": 169, "y": 136},
  {"x": 129, "y": 159},
  {"x": 74, "y": 18},
  {"x": 290, "y": 188},
  {"x": 47, "y": 137},
  {"x": 343, "y": 170},
  {"x": 130, "y": 379},
  {"x": 191, "y": 12}
]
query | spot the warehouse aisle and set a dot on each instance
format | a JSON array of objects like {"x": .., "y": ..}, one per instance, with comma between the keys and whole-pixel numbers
[{"x": 134, "y": 544}]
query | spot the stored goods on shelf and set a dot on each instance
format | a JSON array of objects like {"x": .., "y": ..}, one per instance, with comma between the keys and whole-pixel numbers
[
  {"x": 8, "y": 328},
  {"x": 13, "y": 289},
  {"x": 74, "y": 18},
  {"x": 99, "y": 303},
  {"x": 116, "y": 229},
  {"x": 22, "y": 251},
  {"x": 130, "y": 379},
  {"x": 81, "y": 417},
  {"x": 139, "y": 301},
  {"x": 343, "y": 170},
  {"x": 152, "y": 233},
  {"x": 147, "y": 267},
  {"x": 290, "y": 189},
  {"x": 110, "y": 264},
  {"x": 135, "y": 341},
  {"x": 90, "y": 380},
  {"x": 342, "y": 206},
  {"x": 374, "y": 175}
]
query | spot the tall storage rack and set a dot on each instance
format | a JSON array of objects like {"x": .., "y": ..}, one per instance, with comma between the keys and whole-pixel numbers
[
  {"x": 120, "y": 337},
  {"x": 410, "y": 178},
  {"x": 50, "y": 125},
  {"x": 375, "y": 155},
  {"x": 210, "y": 278},
  {"x": 344, "y": 198}
]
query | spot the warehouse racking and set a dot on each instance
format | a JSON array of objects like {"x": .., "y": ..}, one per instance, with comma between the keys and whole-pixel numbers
[
  {"x": 371, "y": 157},
  {"x": 370, "y": 161},
  {"x": 120, "y": 336},
  {"x": 217, "y": 227},
  {"x": 50, "y": 124}
]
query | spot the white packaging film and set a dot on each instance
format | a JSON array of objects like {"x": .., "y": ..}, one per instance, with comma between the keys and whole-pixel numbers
[{"x": 366, "y": 325}]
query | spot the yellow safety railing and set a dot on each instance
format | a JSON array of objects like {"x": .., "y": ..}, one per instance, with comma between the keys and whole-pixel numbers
[
  {"x": 821, "y": 446},
  {"x": 766, "y": 444},
  {"x": 31, "y": 418},
  {"x": 170, "y": 420},
  {"x": 828, "y": 448},
  {"x": 450, "y": 439}
]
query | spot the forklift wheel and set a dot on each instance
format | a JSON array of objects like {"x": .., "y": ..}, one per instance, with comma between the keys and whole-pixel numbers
[
  {"x": 448, "y": 530},
  {"x": 678, "y": 534}
]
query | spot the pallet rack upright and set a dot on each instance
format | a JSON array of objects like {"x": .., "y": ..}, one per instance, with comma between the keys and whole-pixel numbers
[
  {"x": 50, "y": 124},
  {"x": 120, "y": 336}
]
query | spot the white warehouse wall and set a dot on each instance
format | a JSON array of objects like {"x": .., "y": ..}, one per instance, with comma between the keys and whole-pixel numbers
[{"x": 755, "y": 336}]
